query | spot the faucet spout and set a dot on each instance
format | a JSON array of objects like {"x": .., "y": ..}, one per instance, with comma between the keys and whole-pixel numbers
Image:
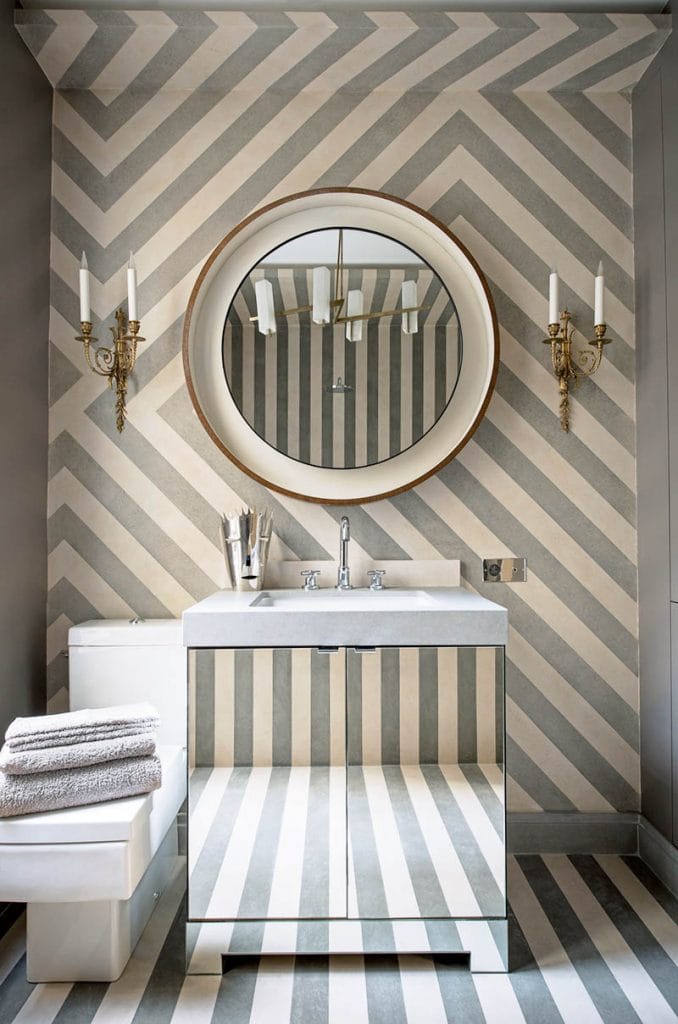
[{"x": 344, "y": 572}]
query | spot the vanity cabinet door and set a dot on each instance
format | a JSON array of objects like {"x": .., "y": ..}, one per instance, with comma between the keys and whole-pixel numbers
[
  {"x": 426, "y": 821},
  {"x": 267, "y": 792}
]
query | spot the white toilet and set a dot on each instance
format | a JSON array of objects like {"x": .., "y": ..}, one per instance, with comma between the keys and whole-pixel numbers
[{"x": 90, "y": 876}]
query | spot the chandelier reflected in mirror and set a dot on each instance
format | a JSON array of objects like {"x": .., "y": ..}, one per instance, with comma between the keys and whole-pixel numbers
[
  {"x": 292, "y": 365},
  {"x": 346, "y": 307}
]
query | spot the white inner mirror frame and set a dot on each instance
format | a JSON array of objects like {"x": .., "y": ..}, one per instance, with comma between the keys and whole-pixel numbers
[{"x": 247, "y": 246}]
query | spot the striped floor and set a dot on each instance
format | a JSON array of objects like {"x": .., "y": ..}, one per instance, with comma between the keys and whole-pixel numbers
[
  {"x": 271, "y": 842},
  {"x": 593, "y": 939}
]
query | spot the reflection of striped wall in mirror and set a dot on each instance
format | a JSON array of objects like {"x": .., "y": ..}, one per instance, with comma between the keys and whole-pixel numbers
[
  {"x": 401, "y": 383},
  {"x": 405, "y": 706}
]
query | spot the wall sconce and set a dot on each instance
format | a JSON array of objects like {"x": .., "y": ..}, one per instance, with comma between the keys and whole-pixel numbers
[
  {"x": 570, "y": 365},
  {"x": 115, "y": 363}
]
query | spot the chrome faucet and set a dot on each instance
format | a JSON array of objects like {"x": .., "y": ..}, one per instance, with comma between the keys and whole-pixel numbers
[{"x": 343, "y": 572}]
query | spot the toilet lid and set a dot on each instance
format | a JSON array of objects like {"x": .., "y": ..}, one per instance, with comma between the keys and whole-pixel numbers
[{"x": 126, "y": 633}]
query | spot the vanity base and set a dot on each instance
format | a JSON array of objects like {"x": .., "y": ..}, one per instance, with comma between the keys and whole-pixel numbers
[{"x": 217, "y": 945}]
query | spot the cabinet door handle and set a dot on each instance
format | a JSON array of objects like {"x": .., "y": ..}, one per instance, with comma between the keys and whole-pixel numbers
[
  {"x": 364, "y": 650},
  {"x": 327, "y": 650}
]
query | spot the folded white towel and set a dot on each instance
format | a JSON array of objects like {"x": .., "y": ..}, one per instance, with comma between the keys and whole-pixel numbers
[
  {"x": 86, "y": 725},
  {"x": 76, "y": 755},
  {"x": 73, "y": 787}
]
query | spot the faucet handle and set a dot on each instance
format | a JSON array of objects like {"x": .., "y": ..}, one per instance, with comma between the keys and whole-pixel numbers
[
  {"x": 376, "y": 582},
  {"x": 310, "y": 578}
]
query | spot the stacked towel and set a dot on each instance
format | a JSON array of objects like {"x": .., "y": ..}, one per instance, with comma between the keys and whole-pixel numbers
[{"x": 55, "y": 761}]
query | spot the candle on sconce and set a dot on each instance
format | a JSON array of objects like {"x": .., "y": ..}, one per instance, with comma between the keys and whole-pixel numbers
[
  {"x": 131, "y": 289},
  {"x": 554, "y": 312},
  {"x": 84, "y": 290},
  {"x": 599, "y": 301}
]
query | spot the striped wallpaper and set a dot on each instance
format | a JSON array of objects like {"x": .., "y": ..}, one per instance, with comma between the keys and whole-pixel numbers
[
  {"x": 400, "y": 383},
  {"x": 407, "y": 705},
  {"x": 514, "y": 130}
]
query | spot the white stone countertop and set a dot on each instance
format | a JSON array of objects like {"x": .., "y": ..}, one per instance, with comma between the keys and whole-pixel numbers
[{"x": 445, "y": 616}]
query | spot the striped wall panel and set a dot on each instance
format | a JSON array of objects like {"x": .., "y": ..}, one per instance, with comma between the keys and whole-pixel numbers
[
  {"x": 267, "y": 707},
  {"x": 393, "y": 706},
  {"x": 429, "y": 705},
  {"x": 399, "y": 383},
  {"x": 512, "y": 129}
]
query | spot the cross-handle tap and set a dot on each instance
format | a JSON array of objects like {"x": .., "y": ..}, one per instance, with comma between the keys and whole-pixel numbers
[{"x": 343, "y": 572}]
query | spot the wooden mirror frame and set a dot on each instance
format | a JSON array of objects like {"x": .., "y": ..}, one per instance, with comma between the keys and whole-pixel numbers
[{"x": 261, "y": 233}]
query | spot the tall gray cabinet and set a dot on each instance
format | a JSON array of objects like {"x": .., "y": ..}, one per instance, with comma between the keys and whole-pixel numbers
[{"x": 655, "y": 147}]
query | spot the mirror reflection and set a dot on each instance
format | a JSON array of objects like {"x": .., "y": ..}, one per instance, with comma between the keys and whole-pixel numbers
[{"x": 342, "y": 348}]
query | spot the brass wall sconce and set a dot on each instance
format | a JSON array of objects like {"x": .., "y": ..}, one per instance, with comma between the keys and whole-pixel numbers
[
  {"x": 115, "y": 363},
  {"x": 570, "y": 366}
]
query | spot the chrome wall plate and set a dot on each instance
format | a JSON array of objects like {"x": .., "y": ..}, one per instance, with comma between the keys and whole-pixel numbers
[{"x": 504, "y": 570}]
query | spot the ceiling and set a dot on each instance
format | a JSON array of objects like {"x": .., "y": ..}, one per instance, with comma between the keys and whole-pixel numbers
[{"x": 588, "y": 6}]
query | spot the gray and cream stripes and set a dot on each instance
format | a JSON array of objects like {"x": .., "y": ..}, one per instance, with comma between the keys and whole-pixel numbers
[
  {"x": 399, "y": 384},
  {"x": 593, "y": 939},
  {"x": 346, "y": 785},
  {"x": 514, "y": 130},
  {"x": 303, "y": 706}
]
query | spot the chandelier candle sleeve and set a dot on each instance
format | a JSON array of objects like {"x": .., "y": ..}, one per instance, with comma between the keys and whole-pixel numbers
[
  {"x": 409, "y": 301},
  {"x": 84, "y": 290},
  {"x": 132, "y": 288},
  {"x": 263, "y": 292},
  {"x": 599, "y": 304},
  {"x": 354, "y": 307},
  {"x": 321, "y": 295},
  {"x": 554, "y": 311}
]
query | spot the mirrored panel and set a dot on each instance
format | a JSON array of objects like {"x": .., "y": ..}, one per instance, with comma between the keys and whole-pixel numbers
[
  {"x": 342, "y": 348},
  {"x": 346, "y": 784},
  {"x": 267, "y": 787},
  {"x": 425, "y": 783}
]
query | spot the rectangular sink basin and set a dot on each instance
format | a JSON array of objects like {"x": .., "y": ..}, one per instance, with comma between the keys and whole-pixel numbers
[{"x": 342, "y": 600}]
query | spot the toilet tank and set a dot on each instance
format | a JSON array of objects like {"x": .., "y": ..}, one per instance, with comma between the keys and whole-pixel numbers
[{"x": 114, "y": 661}]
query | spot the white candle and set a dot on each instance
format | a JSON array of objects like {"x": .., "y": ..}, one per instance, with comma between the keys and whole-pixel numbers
[
  {"x": 599, "y": 303},
  {"x": 84, "y": 290},
  {"x": 131, "y": 289},
  {"x": 554, "y": 312}
]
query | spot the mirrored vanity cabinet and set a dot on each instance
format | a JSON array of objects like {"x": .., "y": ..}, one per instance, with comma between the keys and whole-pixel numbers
[
  {"x": 347, "y": 786},
  {"x": 347, "y": 798}
]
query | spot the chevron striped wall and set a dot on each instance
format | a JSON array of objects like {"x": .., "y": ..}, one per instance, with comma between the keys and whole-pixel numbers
[{"x": 169, "y": 127}]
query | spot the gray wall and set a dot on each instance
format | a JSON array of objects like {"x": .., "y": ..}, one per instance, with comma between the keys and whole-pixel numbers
[
  {"x": 655, "y": 141},
  {"x": 25, "y": 126}
]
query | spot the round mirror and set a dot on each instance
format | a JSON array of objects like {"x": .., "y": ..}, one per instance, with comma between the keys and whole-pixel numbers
[
  {"x": 332, "y": 388},
  {"x": 340, "y": 345}
]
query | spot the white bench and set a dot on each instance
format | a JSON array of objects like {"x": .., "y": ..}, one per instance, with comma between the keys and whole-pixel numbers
[{"x": 90, "y": 876}]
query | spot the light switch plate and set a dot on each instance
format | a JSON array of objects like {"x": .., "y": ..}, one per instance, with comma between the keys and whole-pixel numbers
[{"x": 504, "y": 570}]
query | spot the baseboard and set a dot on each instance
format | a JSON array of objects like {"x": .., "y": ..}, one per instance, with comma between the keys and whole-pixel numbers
[
  {"x": 572, "y": 832},
  {"x": 659, "y": 854}
]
